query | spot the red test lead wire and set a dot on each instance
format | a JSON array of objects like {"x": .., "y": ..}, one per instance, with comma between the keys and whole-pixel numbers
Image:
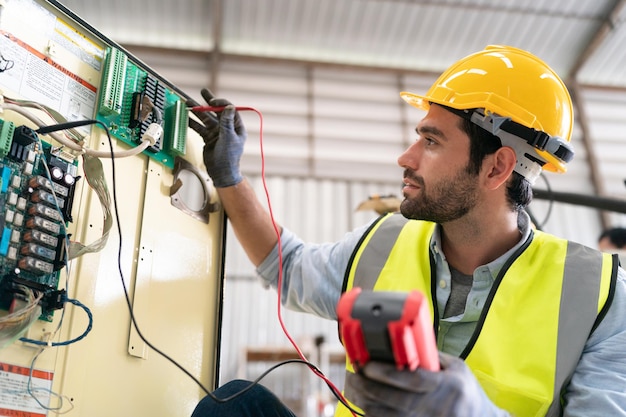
[{"x": 279, "y": 247}]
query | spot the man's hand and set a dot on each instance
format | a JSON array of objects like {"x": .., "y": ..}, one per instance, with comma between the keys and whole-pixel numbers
[
  {"x": 383, "y": 391},
  {"x": 224, "y": 136}
]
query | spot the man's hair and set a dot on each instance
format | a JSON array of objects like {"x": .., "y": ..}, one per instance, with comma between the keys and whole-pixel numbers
[
  {"x": 617, "y": 236},
  {"x": 482, "y": 143}
]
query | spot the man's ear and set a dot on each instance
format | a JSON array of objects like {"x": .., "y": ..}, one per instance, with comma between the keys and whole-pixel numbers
[{"x": 499, "y": 166}]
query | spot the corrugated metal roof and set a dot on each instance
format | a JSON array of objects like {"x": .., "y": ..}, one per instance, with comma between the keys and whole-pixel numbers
[
  {"x": 416, "y": 35},
  {"x": 317, "y": 113}
]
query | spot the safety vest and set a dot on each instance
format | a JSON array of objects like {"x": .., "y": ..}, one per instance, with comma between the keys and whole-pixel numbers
[{"x": 545, "y": 302}]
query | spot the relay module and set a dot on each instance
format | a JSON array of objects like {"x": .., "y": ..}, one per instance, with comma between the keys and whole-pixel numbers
[{"x": 37, "y": 186}]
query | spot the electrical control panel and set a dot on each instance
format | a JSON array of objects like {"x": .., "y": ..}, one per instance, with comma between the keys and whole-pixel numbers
[
  {"x": 96, "y": 80},
  {"x": 91, "y": 244},
  {"x": 37, "y": 185}
]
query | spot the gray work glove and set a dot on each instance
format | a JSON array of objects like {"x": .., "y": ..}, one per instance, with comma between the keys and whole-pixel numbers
[
  {"x": 224, "y": 136},
  {"x": 381, "y": 390}
]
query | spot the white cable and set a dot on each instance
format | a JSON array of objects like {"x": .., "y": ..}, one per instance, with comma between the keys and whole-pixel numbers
[
  {"x": 40, "y": 123},
  {"x": 13, "y": 325},
  {"x": 149, "y": 138},
  {"x": 120, "y": 154}
]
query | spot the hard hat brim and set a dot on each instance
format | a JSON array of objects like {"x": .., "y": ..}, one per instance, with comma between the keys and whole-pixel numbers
[{"x": 415, "y": 100}]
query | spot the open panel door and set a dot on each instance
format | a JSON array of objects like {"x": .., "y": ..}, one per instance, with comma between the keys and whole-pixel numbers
[{"x": 81, "y": 228}]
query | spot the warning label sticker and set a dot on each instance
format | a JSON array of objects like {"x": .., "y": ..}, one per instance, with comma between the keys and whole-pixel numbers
[
  {"x": 15, "y": 399},
  {"x": 41, "y": 79}
]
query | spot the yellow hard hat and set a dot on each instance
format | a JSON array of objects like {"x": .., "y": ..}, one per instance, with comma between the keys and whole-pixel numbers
[{"x": 510, "y": 85}]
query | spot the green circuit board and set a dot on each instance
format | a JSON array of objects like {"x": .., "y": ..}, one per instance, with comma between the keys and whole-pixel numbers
[
  {"x": 37, "y": 185},
  {"x": 131, "y": 98}
]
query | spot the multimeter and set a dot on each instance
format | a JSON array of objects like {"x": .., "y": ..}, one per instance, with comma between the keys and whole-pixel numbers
[{"x": 387, "y": 326}]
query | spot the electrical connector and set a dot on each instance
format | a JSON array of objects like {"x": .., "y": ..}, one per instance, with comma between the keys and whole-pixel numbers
[
  {"x": 54, "y": 300},
  {"x": 153, "y": 134}
]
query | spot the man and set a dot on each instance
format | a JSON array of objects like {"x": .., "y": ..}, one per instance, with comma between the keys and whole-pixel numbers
[
  {"x": 613, "y": 240},
  {"x": 527, "y": 324}
]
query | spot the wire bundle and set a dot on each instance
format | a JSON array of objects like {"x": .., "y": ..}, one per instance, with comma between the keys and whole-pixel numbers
[{"x": 13, "y": 325}]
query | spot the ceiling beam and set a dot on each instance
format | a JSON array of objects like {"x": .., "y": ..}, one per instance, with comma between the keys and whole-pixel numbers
[
  {"x": 595, "y": 41},
  {"x": 531, "y": 9},
  {"x": 608, "y": 24},
  {"x": 215, "y": 55},
  {"x": 592, "y": 159}
]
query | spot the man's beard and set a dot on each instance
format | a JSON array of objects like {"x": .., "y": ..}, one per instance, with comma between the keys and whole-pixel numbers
[{"x": 446, "y": 200}]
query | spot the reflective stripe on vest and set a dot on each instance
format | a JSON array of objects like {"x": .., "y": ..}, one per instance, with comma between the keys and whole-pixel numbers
[
  {"x": 565, "y": 306},
  {"x": 387, "y": 262}
]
